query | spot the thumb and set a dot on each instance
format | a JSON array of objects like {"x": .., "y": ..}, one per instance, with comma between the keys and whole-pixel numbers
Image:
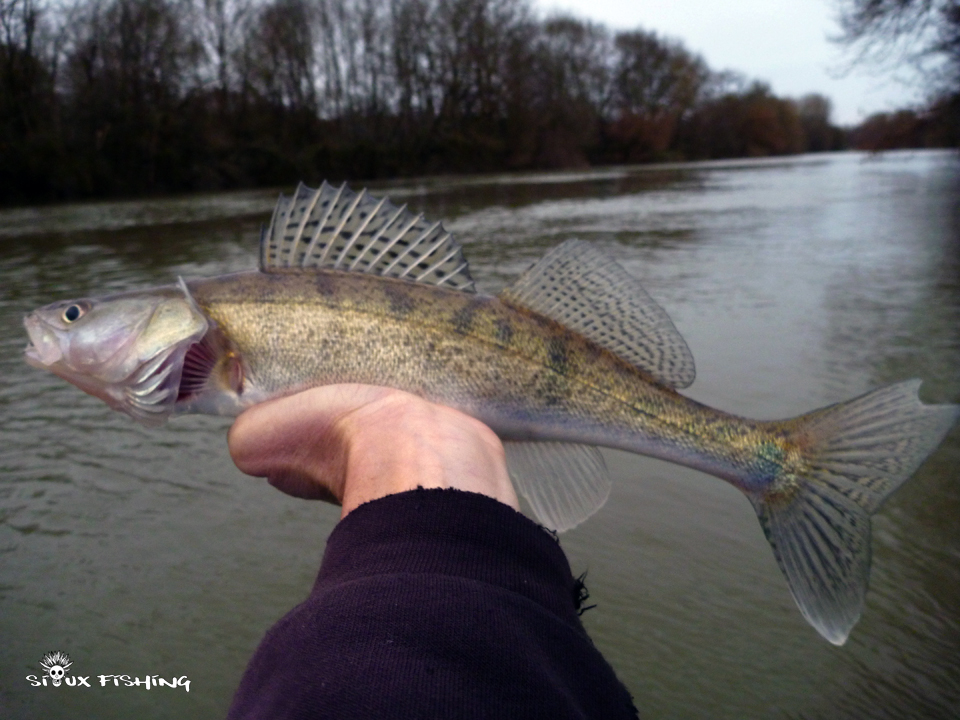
[{"x": 296, "y": 443}]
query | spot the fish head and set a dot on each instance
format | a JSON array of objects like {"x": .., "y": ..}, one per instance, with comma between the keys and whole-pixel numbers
[{"x": 125, "y": 349}]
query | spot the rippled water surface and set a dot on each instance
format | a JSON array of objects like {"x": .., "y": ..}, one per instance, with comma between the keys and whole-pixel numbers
[{"x": 797, "y": 283}]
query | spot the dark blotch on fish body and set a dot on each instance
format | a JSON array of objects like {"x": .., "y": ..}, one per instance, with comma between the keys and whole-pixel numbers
[
  {"x": 557, "y": 356},
  {"x": 401, "y": 304},
  {"x": 504, "y": 331},
  {"x": 325, "y": 284},
  {"x": 463, "y": 319}
]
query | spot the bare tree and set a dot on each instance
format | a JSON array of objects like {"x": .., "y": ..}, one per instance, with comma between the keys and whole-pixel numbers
[
  {"x": 473, "y": 43},
  {"x": 220, "y": 30},
  {"x": 889, "y": 31},
  {"x": 416, "y": 59},
  {"x": 577, "y": 56},
  {"x": 353, "y": 47},
  {"x": 656, "y": 82},
  {"x": 654, "y": 75},
  {"x": 563, "y": 90},
  {"x": 136, "y": 52},
  {"x": 29, "y": 107},
  {"x": 278, "y": 58},
  {"x": 26, "y": 64},
  {"x": 129, "y": 64},
  {"x": 373, "y": 71}
]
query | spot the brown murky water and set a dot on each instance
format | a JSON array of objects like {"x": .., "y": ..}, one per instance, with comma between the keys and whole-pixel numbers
[{"x": 796, "y": 282}]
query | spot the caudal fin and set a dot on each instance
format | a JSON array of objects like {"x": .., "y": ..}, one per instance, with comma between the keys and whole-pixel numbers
[{"x": 855, "y": 454}]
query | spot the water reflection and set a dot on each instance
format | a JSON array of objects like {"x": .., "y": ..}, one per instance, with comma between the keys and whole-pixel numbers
[{"x": 796, "y": 282}]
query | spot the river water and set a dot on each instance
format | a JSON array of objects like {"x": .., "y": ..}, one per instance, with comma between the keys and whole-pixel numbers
[{"x": 797, "y": 283}]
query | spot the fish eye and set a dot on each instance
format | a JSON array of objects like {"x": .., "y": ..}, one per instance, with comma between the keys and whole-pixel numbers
[{"x": 73, "y": 313}]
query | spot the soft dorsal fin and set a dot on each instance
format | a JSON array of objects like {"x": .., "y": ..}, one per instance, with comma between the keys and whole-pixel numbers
[
  {"x": 587, "y": 291},
  {"x": 339, "y": 229}
]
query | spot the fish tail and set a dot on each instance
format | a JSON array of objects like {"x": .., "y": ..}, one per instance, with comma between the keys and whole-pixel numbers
[{"x": 847, "y": 459}]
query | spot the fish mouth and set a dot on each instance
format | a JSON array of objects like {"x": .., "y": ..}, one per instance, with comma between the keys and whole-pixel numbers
[{"x": 43, "y": 349}]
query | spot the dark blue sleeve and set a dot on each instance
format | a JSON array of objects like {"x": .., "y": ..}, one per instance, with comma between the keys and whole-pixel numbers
[{"x": 434, "y": 604}]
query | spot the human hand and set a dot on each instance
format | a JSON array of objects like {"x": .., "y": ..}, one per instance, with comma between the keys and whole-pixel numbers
[{"x": 350, "y": 444}]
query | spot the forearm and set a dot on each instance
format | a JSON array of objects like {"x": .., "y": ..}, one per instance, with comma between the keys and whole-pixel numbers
[{"x": 434, "y": 604}]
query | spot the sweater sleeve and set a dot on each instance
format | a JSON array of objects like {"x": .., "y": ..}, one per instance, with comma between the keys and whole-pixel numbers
[{"x": 434, "y": 604}]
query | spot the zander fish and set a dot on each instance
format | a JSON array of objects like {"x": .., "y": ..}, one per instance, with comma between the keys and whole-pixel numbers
[{"x": 573, "y": 356}]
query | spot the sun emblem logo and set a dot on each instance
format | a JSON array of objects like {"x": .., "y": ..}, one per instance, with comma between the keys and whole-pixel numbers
[{"x": 55, "y": 665}]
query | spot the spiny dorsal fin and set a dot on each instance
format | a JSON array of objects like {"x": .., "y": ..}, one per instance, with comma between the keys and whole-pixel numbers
[
  {"x": 339, "y": 229},
  {"x": 586, "y": 291}
]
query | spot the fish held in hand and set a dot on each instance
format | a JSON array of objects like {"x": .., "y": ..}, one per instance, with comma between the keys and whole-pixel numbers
[{"x": 573, "y": 356}]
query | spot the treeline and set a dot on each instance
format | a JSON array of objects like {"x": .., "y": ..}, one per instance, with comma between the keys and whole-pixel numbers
[
  {"x": 127, "y": 97},
  {"x": 937, "y": 125}
]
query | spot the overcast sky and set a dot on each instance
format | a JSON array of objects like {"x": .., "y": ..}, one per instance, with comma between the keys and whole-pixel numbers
[{"x": 783, "y": 42}]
